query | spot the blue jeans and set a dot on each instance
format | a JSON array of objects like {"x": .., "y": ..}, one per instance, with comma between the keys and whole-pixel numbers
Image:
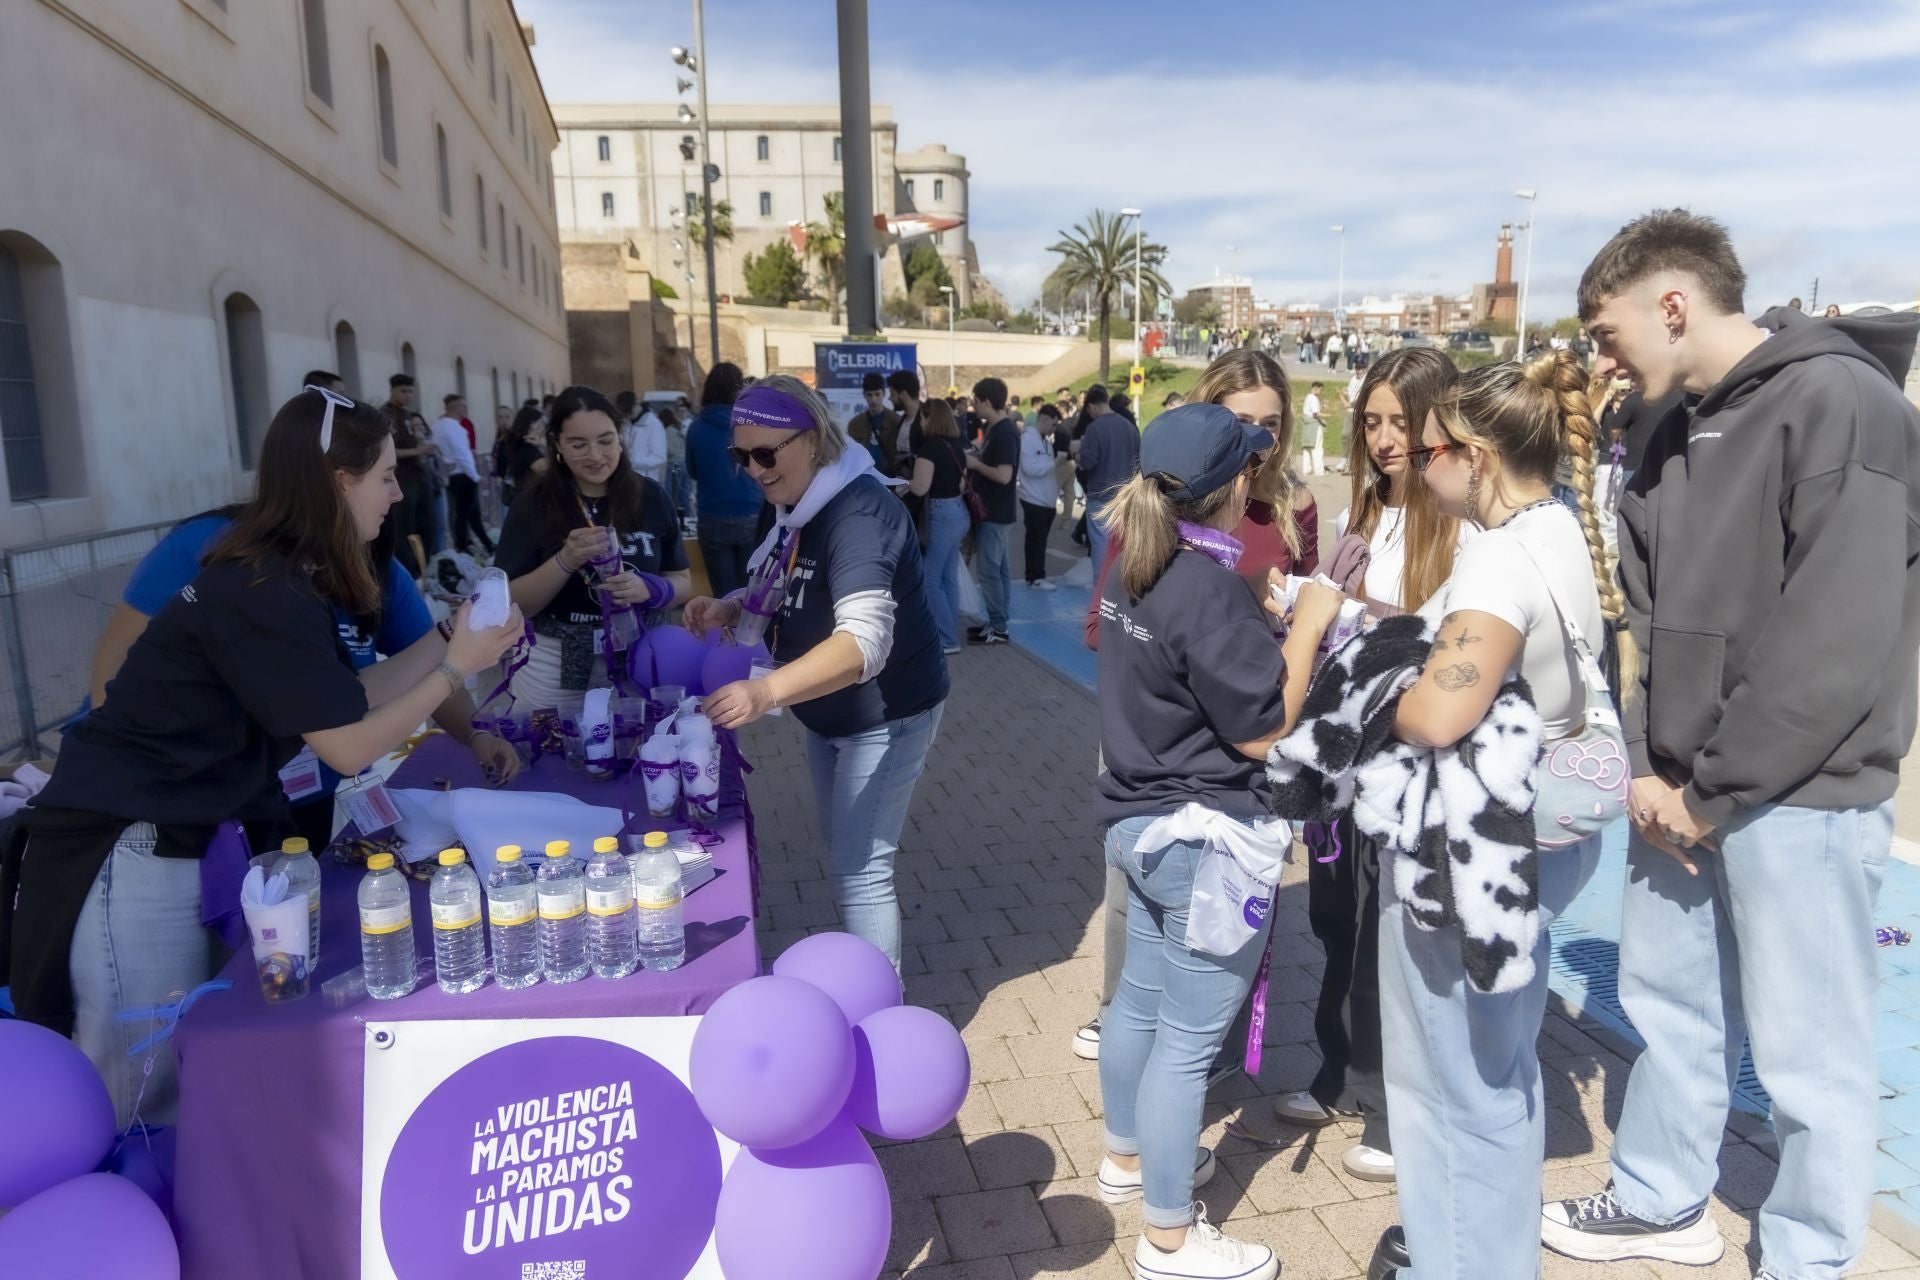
[
  {"x": 726, "y": 544},
  {"x": 947, "y": 524},
  {"x": 862, "y": 784},
  {"x": 1464, "y": 1101},
  {"x": 678, "y": 486},
  {"x": 1167, "y": 1021},
  {"x": 995, "y": 571},
  {"x": 1096, "y": 536},
  {"x": 1773, "y": 938},
  {"x": 138, "y": 941}
]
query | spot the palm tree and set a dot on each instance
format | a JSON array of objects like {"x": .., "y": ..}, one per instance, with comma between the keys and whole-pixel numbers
[
  {"x": 1098, "y": 256},
  {"x": 722, "y": 224},
  {"x": 827, "y": 245}
]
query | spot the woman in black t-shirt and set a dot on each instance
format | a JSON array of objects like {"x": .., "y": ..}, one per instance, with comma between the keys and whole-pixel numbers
[
  {"x": 214, "y": 698},
  {"x": 938, "y": 469},
  {"x": 558, "y": 532},
  {"x": 518, "y": 456},
  {"x": 1193, "y": 693},
  {"x": 857, "y": 654}
]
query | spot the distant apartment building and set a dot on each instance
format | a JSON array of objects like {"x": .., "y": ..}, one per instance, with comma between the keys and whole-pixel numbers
[{"x": 1233, "y": 295}]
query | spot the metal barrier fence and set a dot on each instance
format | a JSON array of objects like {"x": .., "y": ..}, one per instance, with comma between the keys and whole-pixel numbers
[{"x": 55, "y": 598}]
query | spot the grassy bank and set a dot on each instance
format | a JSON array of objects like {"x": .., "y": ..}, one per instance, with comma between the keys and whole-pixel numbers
[{"x": 1163, "y": 378}]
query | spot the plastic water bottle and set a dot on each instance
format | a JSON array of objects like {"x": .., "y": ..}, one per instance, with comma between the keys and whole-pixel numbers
[
  {"x": 386, "y": 930},
  {"x": 459, "y": 939},
  {"x": 513, "y": 912},
  {"x": 303, "y": 876},
  {"x": 563, "y": 916},
  {"x": 610, "y": 929},
  {"x": 656, "y": 889}
]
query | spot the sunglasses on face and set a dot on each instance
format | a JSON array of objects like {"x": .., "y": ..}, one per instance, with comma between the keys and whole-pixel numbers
[
  {"x": 1419, "y": 459},
  {"x": 765, "y": 458}
]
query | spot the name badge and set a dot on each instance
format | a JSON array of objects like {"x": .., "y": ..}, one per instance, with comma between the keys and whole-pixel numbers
[
  {"x": 300, "y": 778},
  {"x": 760, "y": 669}
]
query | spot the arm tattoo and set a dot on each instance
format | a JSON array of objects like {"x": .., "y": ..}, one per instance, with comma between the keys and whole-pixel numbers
[
  {"x": 1456, "y": 677},
  {"x": 1460, "y": 641}
]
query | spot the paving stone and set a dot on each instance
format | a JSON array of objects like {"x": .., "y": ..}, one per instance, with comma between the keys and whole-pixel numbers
[
  {"x": 916, "y": 1235},
  {"x": 996, "y": 1018},
  {"x": 1045, "y": 1054},
  {"x": 1306, "y": 1249},
  {"x": 991, "y": 1061},
  {"x": 997, "y": 1268},
  {"x": 1083, "y": 975},
  {"x": 1279, "y": 1185},
  {"x": 1080, "y": 1216},
  {"x": 1028, "y": 948},
  {"x": 1028, "y": 1157},
  {"x": 1030, "y": 1104},
  {"x": 978, "y": 924},
  {"x": 990, "y": 1223},
  {"x": 1094, "y": 1261},
  {"x": 928, "y": 1168},
  {"x": 931, "y": 989}
]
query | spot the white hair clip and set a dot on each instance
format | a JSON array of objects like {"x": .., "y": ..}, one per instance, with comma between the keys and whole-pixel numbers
[{"x": 334, "y": 401}]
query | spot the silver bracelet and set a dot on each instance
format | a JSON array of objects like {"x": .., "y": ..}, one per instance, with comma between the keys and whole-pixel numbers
[{"x": 455, "y": 680}]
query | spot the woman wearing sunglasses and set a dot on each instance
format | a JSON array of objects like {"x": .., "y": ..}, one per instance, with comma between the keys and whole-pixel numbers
[
  {"x": 854, "y": 645},
  {"x": 1462, "y": 1073},
  {"x": 555, "y": 542},
  {"x": 214, "y": 698}
]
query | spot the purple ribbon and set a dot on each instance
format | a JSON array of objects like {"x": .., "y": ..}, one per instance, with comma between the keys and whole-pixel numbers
[
  {"x": 222, "y": 869},
  {"x": 1257, "y": 1023},
  {"x": 1321, "y": 835},
  {"x": 1223, "y": 548}
]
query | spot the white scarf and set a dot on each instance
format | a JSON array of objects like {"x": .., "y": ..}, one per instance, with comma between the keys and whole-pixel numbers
[{"x": 852, "y": 463}]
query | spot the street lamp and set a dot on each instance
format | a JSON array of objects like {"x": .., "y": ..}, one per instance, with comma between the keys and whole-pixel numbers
[
  {"x": 953, "y": 377},
  {"x": 1340, "y": 298},
  {"x": 1526, "y": 272},
  {"x": 1135, "y": 215}
]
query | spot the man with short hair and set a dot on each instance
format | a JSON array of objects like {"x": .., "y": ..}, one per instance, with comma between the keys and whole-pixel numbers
[
  {"x": 903, "y": 388},
  {"x": 1313, "y": 430},
  {"x": 1109, "y": 455},
  {"x": 876, "y": 425},
  {"x": 325, "y": 381},
  {"x": 414, "y": 513},
  {"x": 1770, "y": 553},
  {"x": 994, "y": 468},
  {"x": 463, "y": 477}
]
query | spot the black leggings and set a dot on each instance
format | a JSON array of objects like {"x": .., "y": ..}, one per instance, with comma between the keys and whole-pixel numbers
[
  {"x": 1039, "y": 524},
  {"x": 1343, "y": 910}
]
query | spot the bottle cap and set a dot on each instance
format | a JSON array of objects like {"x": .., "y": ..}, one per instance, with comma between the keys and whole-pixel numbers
[
  {"x": 507, "y": 853},
  {"x": 606, "y": 844},
  {"x": 557, "y": 848},
  {"x": 295, "y": 844},
  {"x": 656, "y": 839},
  {"x": 452, "y": 857},
  {"x": 379, "y": 861}
]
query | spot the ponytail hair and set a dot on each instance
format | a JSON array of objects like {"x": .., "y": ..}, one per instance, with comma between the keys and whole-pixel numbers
[
  {"x": 1147, "y": 522},
  {"x": 1530, "y": 416}
]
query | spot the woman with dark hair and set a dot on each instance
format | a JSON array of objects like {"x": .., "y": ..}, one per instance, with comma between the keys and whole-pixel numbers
[
  {"x": 727, "y": 499},
  {"x": 518, "y": 456},
  {"x": 557, "y": 536},
  {"x": 214, "y": 698},
  {"x": 939, "y": 468}
]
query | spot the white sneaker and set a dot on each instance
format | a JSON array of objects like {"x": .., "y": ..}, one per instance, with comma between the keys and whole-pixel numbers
[
  {"x": 1086, "y": 1041},
  {"x": 1369, "y": 1164},
  {"x": 1117, "y": 1186},
  {"x": 1305, "y": 1110},
  {"x": 1044, "y": 584},
  {"x": 1207, "y": 1255},
  {"x": 1598, "y": 1228}
]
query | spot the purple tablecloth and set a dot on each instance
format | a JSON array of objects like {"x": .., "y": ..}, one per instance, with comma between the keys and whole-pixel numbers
[{"x": 268, "y": 1175}]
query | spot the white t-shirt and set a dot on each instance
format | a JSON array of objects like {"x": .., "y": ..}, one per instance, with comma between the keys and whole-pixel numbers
[
  {"x": 1387, "y": 552},
  {"x": 451, "y": 436},
  {"x": 645, "y": 440},
  {"x": 1494, "y": 574}
]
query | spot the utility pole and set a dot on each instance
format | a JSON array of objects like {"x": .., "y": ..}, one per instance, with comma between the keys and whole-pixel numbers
[{"x": 856, "y": 169}]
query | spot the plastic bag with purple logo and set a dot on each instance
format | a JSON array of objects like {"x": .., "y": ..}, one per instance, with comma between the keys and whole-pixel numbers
[{"x": 1233, "y": 880}]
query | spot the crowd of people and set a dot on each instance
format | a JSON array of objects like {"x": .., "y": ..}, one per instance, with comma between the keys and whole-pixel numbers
[{"x": 1547, "y": 621}]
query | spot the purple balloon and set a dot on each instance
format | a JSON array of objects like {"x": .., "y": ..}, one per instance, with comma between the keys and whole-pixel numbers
[
  {"x": 667, "y": 655},
  {"x": 772, "y": 1062},
  {"x": 147, "y": 1160},
  {"x": 726, "y": 663},
  {"x": 56, "y": 1119},
  {"x": 911, "y": 1073},
  {"x": 96, "y": 1225},
  {"x": 818, "y": 1211},
  {"x": 854, "y": 972}
]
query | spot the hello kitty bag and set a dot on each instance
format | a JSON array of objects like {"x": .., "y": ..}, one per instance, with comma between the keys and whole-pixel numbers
[{"x": 1582, "y": 780}]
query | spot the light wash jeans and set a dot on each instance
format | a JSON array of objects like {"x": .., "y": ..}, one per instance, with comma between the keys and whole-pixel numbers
[
  {"x": 862, "y": 784},
  {"x": 947, "y": 523},
  {"x": 994, "y": 569},
  {"x": 138, "y": 941},
  {"x": 1096, "y": 537},
  {"x": 1166, "y": 1022},
  {"x": 1773, "y": 938},
  {"x": 1464, "y": 1103}
]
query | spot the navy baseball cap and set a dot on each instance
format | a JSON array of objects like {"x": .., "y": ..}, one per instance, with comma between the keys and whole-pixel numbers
[{"x": 1199, "y": 448}]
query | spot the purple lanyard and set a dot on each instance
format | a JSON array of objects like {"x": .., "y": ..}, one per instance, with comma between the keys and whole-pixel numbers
[{"x": 1222, "y": 548}]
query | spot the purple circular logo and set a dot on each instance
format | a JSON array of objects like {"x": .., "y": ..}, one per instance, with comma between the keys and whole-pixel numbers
[
  {"x": 1254, "y": 910},
  {"x": 581, "y": 1156}
]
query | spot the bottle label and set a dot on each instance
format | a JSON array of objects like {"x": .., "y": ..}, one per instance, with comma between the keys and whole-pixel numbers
[
  {"x": 609, "y": 902},
  {"x": 508, "y": 914},
  {"x": 564, "y": 905},
  {"x": 378, "y": 920},
  {"x": 455, "y": 915},
  {"x": 656, "y": 898}
]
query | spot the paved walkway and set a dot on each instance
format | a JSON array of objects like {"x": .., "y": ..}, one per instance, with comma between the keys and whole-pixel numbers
[{"x": 1000, "y": 881}]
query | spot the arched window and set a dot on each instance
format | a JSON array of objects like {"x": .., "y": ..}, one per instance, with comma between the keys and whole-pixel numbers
[
  {"x": 383, "y": 92},
  {"x": 247, "y": 373},
  {"x": 346, "y": 356},
  {"x": 313, "y": 29},
  {"x": 500, "y": 216},
  {"x": 493, "y": 372},
  {"x": 515, "y": 376},
  {"x": 445, "y": 168},
  {"x": 408, "y": 365},
  {"x": 460, "y": 377},
  {"x": 480, "y": 208},
  {"x": 36, "y": 373}
]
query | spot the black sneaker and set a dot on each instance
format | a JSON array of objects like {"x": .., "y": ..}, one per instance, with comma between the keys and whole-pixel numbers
[
  {"x": 996, "y": 637},
  {"x": 1598, "y": 1229},
  {"x": 1390, "y": 1256},
  {"x": 978, "y": 635}
]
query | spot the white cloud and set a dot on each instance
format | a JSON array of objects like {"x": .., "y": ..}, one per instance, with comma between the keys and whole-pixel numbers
[{"x": 1420, "y": 167}]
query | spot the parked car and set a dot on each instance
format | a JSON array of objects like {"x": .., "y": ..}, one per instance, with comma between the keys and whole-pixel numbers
[
  {"x": 1470, "y": 340},
  {"x": 1413, "y": 338}
]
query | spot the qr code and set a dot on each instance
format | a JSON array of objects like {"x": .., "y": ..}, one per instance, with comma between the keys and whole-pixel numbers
[{"x": 553, "y": 1270}]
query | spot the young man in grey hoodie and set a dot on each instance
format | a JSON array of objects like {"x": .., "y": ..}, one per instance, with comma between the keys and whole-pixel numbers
[{"x": 1770, "y": 551}]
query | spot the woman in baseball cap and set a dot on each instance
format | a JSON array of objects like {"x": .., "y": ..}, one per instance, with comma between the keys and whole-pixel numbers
[{"x": 1193, "y": 692}]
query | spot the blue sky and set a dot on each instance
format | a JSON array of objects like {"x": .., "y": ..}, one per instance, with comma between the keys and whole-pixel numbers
[{"x": 1245, "y": 128}]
